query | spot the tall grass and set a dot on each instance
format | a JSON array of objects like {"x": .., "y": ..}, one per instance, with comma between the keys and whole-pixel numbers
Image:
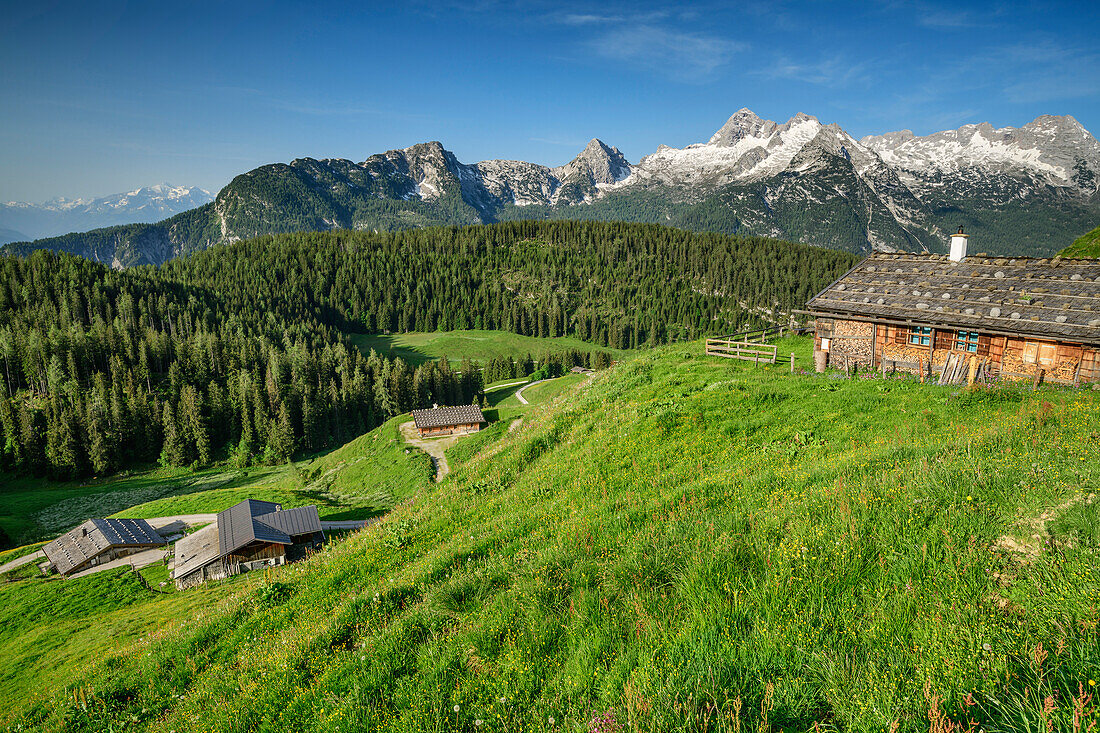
[{"x": 685, "y": 544}]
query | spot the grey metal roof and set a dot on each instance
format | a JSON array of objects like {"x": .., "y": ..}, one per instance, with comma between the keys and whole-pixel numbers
[
  {"x": 293, "y": 522},
  {"x": 237, "y": 526},
  {"x": 75, "y": 548},
  {"x": 263, "y": 521},
  {"x": 1052, "y": 298},
  {"x": 438, "y": 417}
]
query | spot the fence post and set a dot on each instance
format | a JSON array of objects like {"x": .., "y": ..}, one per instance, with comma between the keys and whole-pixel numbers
[
  {"x": 792, "y": 362},
  {"x": 920, "y": 368},
  {"x": 1038, "y": 379}
]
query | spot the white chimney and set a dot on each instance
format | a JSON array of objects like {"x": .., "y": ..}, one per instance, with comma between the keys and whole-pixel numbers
[{"x": 958, "y": 246}]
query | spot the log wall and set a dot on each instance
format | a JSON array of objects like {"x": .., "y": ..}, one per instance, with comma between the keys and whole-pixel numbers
[{"x": 869, "y": 344}]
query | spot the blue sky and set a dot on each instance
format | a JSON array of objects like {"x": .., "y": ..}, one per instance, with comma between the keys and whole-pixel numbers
[{"x": 96, "y": 98}]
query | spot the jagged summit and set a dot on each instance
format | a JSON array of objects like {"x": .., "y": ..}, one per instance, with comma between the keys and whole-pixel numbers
[
  {"x": 800, "y": 180},
  {"x": 743, "y": 123},
  {"x": 599, "y": 163}
]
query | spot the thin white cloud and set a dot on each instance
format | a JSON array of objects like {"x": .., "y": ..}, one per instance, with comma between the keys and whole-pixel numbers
[
  {"x": 834, "y": 71},
  {"x": 588, "y": 19},
  {"x": 686, "y": 56},
  {"x": 1041, "y": 71},
  {"x": 947, "y": 19}
]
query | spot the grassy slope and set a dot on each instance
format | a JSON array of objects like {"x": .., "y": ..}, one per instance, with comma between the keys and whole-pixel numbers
[
  {"x": 677, "y": 537},
  {"x": 1087, "y": 245},
  {"x": 56, "y": 629},
  {"x": 339, "y": 483},
  {"x": 416, "y": 348}
]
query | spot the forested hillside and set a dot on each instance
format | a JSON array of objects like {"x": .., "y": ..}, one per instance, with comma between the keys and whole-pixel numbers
[{"x": 240, "y": 352}]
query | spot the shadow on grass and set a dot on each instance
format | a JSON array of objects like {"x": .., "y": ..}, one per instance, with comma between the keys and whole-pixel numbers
[{"x": 386, "y": 346}]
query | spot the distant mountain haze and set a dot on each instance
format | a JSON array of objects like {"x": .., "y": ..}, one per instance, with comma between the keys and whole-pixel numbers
[
  {"x": 1027, "y": 191},
  {"x": 61, "y": 215}
]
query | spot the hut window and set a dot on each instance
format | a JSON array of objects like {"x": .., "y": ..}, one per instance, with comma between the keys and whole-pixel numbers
[
  {"x": 920, "y": 335},
  {"x": 1036, "y": 353},
  {"x": 966, "y": 341}
]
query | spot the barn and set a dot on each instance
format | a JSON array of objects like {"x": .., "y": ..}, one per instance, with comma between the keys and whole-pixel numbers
[
  {"x": 1013, "y": 317},
  {"x": 457, "y": 420},
  {"x": 97, "y": 541},
  {"x": 247, "y": 536}
]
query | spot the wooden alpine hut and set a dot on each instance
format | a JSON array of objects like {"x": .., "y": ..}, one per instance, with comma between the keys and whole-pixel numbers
[
  {"x": 1016, "y": 317},
  {"x": 460, "y": 419}
]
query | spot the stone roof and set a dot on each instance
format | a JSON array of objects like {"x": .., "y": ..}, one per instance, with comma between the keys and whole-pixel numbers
[
  {"x": 195, "y": 551},
  {"x": 75, "y": 548},
  {"x": 441, "y": 417},
  {"x": 1047, "y": 298}
]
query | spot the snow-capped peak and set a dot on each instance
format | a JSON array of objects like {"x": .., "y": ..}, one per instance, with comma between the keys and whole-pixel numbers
[{"x": 1051, "y": 147}]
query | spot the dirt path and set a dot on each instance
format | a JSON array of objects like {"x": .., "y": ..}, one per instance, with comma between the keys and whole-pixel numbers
[
  {"x": 519, "y": 392},
  {"x": 179, "y": 522},
  {"x": 434, "y": 447},
  {"x": 495, "y": 387},
  {"x": 136, "y": 561},
  {"x": 347, "y": 523},
  {"x": 21, "y": 561}
]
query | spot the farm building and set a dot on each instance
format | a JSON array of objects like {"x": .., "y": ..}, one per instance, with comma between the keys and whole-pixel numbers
[
  {"x": 460, "y": 419},
  {"x": 1017, "y": 317},
  {"x": 250, "y": 535},
  {"x": 98, "y": 541}
]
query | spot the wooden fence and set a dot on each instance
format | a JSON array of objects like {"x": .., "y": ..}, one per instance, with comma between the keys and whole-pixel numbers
[
  {"x": 750, "y": 345},
  {"x": 748, "y": 350}
]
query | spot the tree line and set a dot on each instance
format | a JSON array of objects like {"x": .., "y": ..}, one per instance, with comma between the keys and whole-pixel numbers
[{"x": 240, "y": 352}]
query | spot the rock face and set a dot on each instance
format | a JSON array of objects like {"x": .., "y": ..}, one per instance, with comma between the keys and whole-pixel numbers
[{"x": 1027, "y": 190}]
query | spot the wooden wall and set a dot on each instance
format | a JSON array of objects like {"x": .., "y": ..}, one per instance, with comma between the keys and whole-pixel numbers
[
  {"x": 450, "y": 429},
  {"x": 1004, "y": 354}
]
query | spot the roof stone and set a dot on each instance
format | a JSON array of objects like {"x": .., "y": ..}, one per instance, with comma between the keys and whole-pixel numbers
[
  {"x": 438, "y": 417},
  {"x": 1069, "y": 290}
]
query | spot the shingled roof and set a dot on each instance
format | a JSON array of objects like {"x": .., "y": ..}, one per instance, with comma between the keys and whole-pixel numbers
[
  {"x": 1046, "y": 298},
  {"x": 441, "y": 417},
  {"x": 95, "y": 536}
]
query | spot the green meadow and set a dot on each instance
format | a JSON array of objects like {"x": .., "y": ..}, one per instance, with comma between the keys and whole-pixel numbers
[
  {"x": 679, "y": 544},
  {"x": 481, "y": 346}
]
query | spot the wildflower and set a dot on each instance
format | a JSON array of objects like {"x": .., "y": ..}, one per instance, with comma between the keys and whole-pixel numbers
[
  {"x": 477, "y": 723},
  {"x": 1092, "y": 683},
  {"x": 456, "y": 708},
  {"x": 550, "y": 720}
]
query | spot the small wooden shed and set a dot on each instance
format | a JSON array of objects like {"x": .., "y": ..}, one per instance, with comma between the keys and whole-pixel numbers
[
  {"x": 459, "y": 419},
  {"x": 1019, "y": 317}
]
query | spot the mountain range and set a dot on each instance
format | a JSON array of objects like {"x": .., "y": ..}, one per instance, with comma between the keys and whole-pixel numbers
[
  {"x": 1027, "y": 190},
  {"x": 21, "y": 220}
]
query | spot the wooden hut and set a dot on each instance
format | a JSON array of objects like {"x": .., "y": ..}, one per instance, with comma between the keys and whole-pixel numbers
[
  {"x": 1017, "y": 317},
  {"x": 249, "y": 535},
  {"x": 460, "y": 419}
]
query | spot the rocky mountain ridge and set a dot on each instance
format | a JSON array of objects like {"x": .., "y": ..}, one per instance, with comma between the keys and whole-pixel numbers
[{"x": 800, "y": 180}]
